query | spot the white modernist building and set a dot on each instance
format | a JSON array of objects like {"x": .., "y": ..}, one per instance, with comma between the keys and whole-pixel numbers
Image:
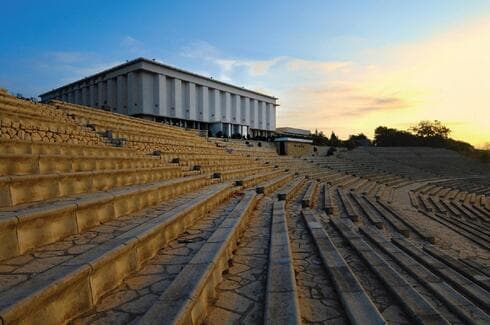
[{"x": 156, "y": 91}]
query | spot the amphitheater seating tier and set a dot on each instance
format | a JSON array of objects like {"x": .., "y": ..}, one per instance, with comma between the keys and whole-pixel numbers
[{"x": 106, "y": 218}]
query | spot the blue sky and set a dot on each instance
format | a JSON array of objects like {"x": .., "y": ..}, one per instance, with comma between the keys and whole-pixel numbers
[{"x": 44, "y": 44}]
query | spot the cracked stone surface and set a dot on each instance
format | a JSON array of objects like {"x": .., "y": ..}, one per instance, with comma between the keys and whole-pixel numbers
[
  {"x": 139, "y": 291},
  {"x": 241, "y": 295},
  {"x": 319, "y": 303},
  {"x": 16, "y": 270}
]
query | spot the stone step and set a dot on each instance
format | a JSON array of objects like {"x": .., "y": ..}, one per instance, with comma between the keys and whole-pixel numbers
[
  {"x": 359, "y": 307},
  {"x": 24, "y": 189},
  {"x": 409, "y": 224},
  {"x": 349, "y": 208},
  {"x": 368, "y": 211},
  {"x": 20, "y": 228},
  {"x": 470, "y": 289},
  {"x": 329, "y": 202},
  {"x": 27, "y": 164},
  {"x": 475, "y": 276},
  {"x": 273, "y": 184},
  {"x": 419, "y": 309},
  {"x": 476, "y": 266},
  {"x": 281, "y": 305},
  {"x": 456, "y": 302},
  {"x": 425, "y": 204},
  {"x": 476, "y": 213},
  {"x": 437, "y": 204},
  {"x": 308, "y": 197},
  {"x": 394, "y": 222},
  {"x": 255, "y": 179},
  {"x": 73, "y": 287},
  {"x": 239, "y": 173},
  {"x": 185, "y": 300},
  {"x": 450, "y": 208},
  {"x": 20, "y": 147},
  {"x": 460, "y": 228},
  {"x": 289, "y": 190}
]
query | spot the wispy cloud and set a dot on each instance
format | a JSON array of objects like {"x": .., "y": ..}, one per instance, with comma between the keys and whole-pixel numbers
[
  {"x": 132, "y": 45},
  {"x": 71, "y": 66},
  {"x": 443, "y": 77}
]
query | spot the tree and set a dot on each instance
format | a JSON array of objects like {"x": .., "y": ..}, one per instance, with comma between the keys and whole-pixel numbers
[
  {"x": 428, "y": 129},
  {"x": 334, "y": 140},
  {"x": 387, "y": 137},
  {"x": 319, "y": 139}
]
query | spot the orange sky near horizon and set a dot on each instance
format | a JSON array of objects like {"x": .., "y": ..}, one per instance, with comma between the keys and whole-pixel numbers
[{"x": 443, "y": 77}]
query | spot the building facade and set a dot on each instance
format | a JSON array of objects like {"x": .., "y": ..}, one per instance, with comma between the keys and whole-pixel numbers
[{"x": 156, "y": 91}]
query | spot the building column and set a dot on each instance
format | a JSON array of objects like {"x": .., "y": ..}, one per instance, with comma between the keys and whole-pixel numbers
[
  {"x": 122, "y": 95},
  {"x": 227, "y": 109},
  {"x": 192, "y": 101},
  {"x": 178, "y": 112}
]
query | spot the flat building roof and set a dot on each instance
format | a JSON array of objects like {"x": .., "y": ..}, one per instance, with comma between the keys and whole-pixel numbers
[{"x": 145, "y": 60}]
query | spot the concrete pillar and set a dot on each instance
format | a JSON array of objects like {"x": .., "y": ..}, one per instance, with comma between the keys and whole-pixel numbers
[
  {"x": 122, "y": 99},
  {"x": 273, "y": 118},
  {"x": 268, "y": 112},
  {"x": 235, "y": 109},
  {"x": 101, "y": 94},
  {"x": 246, "y": 111},
  {"x": 205, "y": 116},
  {"x": 263, "y": 117},
  {"x": 161, "y": 94},
  {"x": 192, "y": 101},
  {"x": 216, "y": 109},
  {"x": 227, "y": 108},
  {"x": 85, "y": 100},
  {"x": 131, "y": 92},
  {"x": 92, "y": 93},
  {"x": 254, "y": 111},
  {"x": 78, "y": 96},
  {"x": 178, "y": 111},
  {"x": 111, "y": 94}
]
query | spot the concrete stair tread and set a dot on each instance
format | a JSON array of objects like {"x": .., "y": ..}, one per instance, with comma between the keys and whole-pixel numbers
[
  {"x": 75, "y": 214},
  {"x": 122, "y": 252}
]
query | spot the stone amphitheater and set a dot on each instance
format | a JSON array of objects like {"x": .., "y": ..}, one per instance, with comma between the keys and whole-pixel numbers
[{"x": 108, "y": 219}]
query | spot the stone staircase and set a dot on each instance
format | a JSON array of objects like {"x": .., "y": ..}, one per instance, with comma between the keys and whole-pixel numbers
[{"x": 94, "y": 233}]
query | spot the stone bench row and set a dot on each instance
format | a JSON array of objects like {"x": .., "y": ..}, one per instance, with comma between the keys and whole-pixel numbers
[
  {"x": 38, "y": 111},
  {"x": 273, "y": 184},
  {"x": 368, "y": 211},
  {"x": 461, "y": 228},
  {"x": 255, "y": 179},
  {"x": 358, "y": 306},
  {"x": 46, "y": 164},
  {"x": 472, "y": 274},
  {"x": 309, "y": 196},
  {"x": 75, "y": 286},
  {"x": 281, "y": 301},
  {"x": 186, "y": 299},
  {"x": 86, "y": 114},
  {"x": 454, "y": 301},
  {"x": 240, "y": 173},
  {"x": 15, "y": 190},
  {"x": 470, "y": 289},
  {"x": 329, "y": 201},
  {"x": 391, "y": 219},
  {"x": 289, "y": 190},
  {"x": 416, "y": 306},
  {"x": 423, "y": 233},
  {"x": 348, "y": 206},
  {"x": 41, "y": 124},
  {"x": 459, "y": 210},
  {"x": 223, "y": 166},
  {"x": 28, "y": 228},
  {"x": 17, "y": 147}
]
